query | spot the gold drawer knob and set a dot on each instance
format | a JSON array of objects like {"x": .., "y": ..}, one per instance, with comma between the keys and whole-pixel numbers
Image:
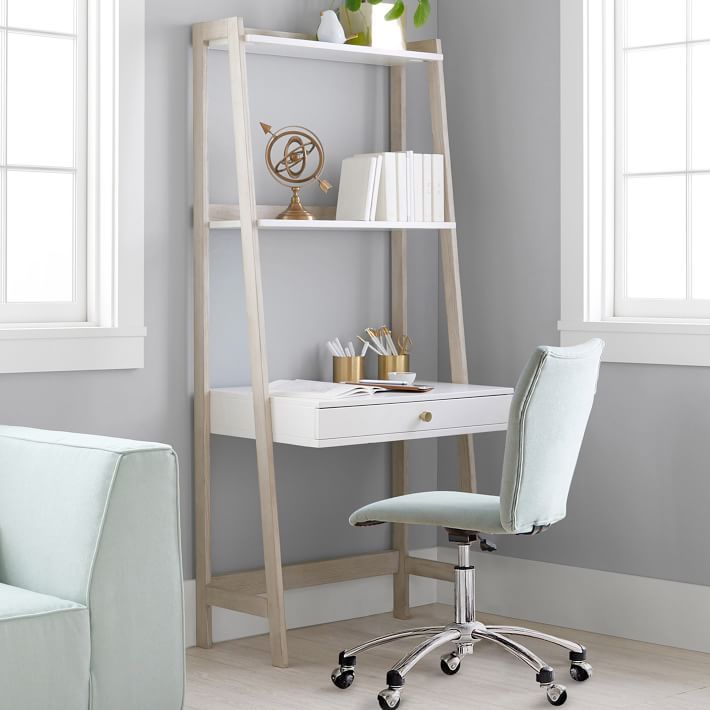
[{"x": 426, "y": 416}]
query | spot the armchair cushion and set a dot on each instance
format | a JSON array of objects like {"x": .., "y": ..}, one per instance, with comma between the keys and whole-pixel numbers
[{"x": 44, "y": 651}]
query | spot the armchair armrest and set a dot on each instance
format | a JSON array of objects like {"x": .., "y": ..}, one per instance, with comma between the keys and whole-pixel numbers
[{"x": 135, "y": 593}]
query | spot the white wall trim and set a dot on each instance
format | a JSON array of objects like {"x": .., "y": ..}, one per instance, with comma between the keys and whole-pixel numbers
[
  {"x": 648, "y": 342},
  {"x": 639, "y": 608},
  {"x": 315, "y": 605},
  {"x": 69, "y": 349}
]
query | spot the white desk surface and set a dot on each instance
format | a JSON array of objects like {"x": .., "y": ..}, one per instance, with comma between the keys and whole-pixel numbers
[{"x": 442, "y": 390}]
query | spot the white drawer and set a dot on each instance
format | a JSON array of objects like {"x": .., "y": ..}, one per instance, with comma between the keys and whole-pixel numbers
[
  {"x": 454, "y": 409},
  {"x": 412, "y": 417}
]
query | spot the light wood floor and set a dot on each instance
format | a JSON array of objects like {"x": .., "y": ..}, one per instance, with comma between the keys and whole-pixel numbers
[{"x": 627, "y": 674}]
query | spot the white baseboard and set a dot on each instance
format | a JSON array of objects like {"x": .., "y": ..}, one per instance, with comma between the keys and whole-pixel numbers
[
  {"x": 639, "y": 608},
  {"x": 315, "y": 605},
  {"x": 652, "y": 610}
]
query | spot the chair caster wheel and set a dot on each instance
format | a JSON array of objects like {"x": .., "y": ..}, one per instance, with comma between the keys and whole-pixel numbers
[
  {"x": 342, "y": 678},
  {"x": 580, "y": 671},
  {"x": 389, "y": 698},
  {"x": 487, "y": 545},
  {"x": 556, "y": 694},
  {"x": 451, "y": 664}
]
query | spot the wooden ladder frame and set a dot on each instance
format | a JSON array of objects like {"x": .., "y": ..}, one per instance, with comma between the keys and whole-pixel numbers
[{"x": 261, "y": 592}]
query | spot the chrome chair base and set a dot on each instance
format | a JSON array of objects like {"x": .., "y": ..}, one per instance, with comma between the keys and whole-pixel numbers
[{"x": 464, "y": 634}]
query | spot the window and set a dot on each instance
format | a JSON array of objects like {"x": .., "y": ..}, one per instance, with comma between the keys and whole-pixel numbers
[
  {"x": 43, "y": 161},
  {"x": 636, "y": 177},
  {"x": 71, "y": 184},
  {"x": 662, "y": 116}
]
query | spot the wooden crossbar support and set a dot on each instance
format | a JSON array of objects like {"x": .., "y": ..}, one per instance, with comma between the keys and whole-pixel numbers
[
  {"x": 430, "y": 568},
  {"x": 241, "y": 591},
  {"x": 311, "y": 574},
  {"x": 236, "y": 601}
]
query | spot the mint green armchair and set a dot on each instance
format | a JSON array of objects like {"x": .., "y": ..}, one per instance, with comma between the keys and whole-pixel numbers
[{"x": 91, "y": 609}]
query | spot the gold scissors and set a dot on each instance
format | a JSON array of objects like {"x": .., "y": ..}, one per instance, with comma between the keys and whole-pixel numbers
[{"x": 404, "y": 342}]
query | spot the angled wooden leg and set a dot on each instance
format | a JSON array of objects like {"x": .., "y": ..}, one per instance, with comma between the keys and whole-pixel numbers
[
  {"x": 457, "y": 349},
  {"x": 400, "y": 541},
  {"x": 203, "y": 538},
  {"x": 451, "y": 272},
  {"x": 400, "y": 449},
  {"x": 467, "y": 465},
  {"x": 257, "y": 346},
  {"x": 398, "y": 279}
]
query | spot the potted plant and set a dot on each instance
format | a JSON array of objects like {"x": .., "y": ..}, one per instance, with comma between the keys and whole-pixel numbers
[{"x": 376, "y": 23}]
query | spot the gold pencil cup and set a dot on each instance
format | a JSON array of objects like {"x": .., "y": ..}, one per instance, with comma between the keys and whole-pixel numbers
[
  {"x": 391, "y": 363},
  {"x": 348, "y": 369}
]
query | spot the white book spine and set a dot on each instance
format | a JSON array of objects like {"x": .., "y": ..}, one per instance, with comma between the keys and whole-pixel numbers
[
  {"x": 386, "y": 202},
  {"x": 418, "y": 188},
  {"x": 387, "y": 198},
  {"x": 401, "y": 187},
  {"x": 370, "y": 189},
  {"x": 410, "y": 186},
  {"x": 374, "y": 198},
  {"x": 426, "y": 187},
  {"x": 437, "y": 187}
]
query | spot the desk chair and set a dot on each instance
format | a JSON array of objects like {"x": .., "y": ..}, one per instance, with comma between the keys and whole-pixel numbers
[{"x": 548, "y": 417}]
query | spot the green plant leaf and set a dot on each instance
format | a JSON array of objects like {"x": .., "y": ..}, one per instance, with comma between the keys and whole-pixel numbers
[
  {"x": 353, "y": 5},
  {"x": 421, "y": 14},
  {"x": 397, "y": 11},
  {"x": 374, "y": 2}
]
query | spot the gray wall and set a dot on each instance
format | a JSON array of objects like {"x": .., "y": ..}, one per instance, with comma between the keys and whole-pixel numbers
[
  {"x": 639, "y": 502},
  {"x": 317, "y": 286}
]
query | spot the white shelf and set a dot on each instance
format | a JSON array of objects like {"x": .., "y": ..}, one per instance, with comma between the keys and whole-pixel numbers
[
  {"x": 308, "y": 49},
  {"x": 330, "y": 224}
]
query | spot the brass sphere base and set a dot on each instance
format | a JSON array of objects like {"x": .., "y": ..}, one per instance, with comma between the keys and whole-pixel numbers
[{"x": 295, "y": 210}]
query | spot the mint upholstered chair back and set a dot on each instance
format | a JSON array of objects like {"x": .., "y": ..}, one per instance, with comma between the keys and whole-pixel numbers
[
  {"x": 547, "y": 421},
  {"x": 52, "y": 500},
  {"x": 58, "y": 505},
  {"x": 95, "y": 520}
]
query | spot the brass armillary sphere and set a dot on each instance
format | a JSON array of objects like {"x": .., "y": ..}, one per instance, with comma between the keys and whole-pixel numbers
[{"x": 295, "y": 157}]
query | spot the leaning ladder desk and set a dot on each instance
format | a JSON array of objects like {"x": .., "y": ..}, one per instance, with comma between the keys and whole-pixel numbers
[{"x": 453, "y": 409}]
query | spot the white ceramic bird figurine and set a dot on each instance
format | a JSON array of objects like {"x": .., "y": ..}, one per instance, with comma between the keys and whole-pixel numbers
[{"x": 330, "y": 29}]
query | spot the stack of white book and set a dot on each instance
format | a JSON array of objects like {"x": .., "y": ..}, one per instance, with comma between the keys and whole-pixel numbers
[{"x": 392, "y": 187}]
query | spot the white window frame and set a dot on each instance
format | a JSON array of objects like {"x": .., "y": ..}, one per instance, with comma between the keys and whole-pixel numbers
[
  {"x": 112, "y": 336},
  {"x": 587, "y": 276}
]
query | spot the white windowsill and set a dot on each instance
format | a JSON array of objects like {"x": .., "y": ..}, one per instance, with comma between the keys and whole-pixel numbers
[
  {"x": 70, "y": 348},
  {"x": 649, "y": 342}
]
